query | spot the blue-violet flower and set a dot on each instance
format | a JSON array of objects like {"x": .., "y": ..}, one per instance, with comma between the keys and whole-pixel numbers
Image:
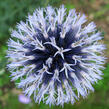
[{"x": 55, "y": 57}]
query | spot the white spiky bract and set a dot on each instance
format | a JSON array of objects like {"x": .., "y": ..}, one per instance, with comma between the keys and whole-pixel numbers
[{"x": 75, "y": 59}]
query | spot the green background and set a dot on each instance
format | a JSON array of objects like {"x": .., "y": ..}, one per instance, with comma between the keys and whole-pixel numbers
[{"x": 13, "y": 11}]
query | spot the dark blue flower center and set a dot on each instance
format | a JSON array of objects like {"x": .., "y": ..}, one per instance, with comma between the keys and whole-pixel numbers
[{"x": 57, "y": 61}]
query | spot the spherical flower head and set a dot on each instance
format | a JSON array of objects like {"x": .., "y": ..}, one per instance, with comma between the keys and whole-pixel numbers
[{"x": 55, "y": 57}]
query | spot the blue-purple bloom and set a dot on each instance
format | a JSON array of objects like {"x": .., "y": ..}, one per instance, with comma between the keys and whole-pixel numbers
[
  {"x": 24, "y": 99},
  {"x": 56, "y": 57}
]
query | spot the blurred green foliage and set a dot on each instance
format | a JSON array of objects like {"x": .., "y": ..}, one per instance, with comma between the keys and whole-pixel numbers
[{"x": 11, "y": 12}]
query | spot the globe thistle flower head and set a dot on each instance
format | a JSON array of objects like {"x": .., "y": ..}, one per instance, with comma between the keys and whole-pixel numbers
[{"x": 55, "y": 57}]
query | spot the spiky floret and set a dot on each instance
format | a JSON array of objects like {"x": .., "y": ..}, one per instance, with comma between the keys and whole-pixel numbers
[{"x": 56, "y": 58}]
